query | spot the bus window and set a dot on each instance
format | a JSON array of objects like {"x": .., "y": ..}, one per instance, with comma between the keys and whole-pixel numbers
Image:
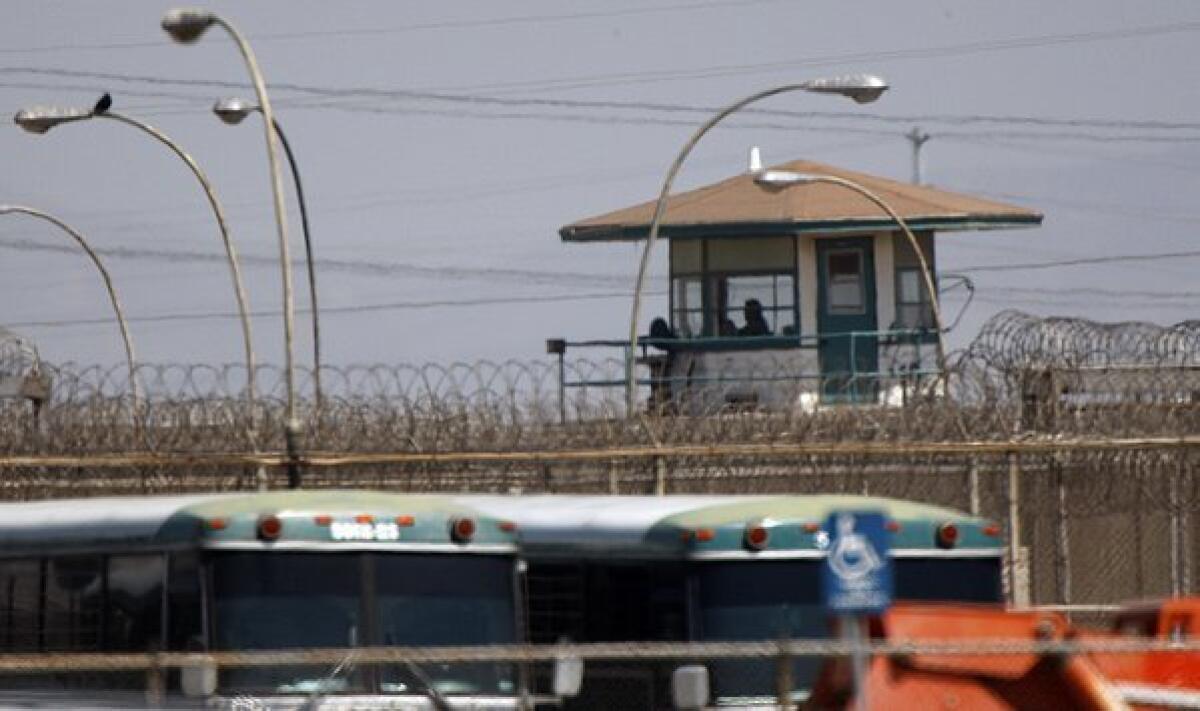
[
  {"x": 760, "y": 600},
  {"x": 20, "y": 597},
  {"x": 286, "y": 601},
  {"x": 134, "y": 613},
  {"x": 441, "y": 600},
  {"x": 948, "y": 579},
  {"x": 74, "y": 600},
  {"x": 185, "y": 614}
]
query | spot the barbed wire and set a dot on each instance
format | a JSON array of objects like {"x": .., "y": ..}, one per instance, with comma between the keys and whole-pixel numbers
[{"x": 1091, "y": 427}]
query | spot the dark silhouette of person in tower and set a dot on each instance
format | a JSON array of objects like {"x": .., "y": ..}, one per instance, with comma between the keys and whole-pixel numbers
[{"x": 756, "y": 325}]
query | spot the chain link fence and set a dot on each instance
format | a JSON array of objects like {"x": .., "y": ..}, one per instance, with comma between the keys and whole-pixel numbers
[{"x": 1082, "y": 439}]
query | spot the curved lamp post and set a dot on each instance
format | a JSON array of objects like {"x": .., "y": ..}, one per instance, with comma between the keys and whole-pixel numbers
[
  {"x": 108, "y": 285},
  {"x": 233, "y": 111},
  {"x": 777, "y": 179},
  {"x": 41, "y": 120},
  {"x": 862, "y": 88},
  {"x": 186, "y": 25}
]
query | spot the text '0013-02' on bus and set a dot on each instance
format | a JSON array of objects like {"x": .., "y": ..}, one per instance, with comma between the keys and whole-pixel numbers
[{"x": 357, "y": 569}]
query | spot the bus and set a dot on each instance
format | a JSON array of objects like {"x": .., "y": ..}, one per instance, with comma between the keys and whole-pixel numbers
[
  {"x": 718, "y": 568},
  {"x": 350, "y": 569},
  {"x": 264, "y": 571}
]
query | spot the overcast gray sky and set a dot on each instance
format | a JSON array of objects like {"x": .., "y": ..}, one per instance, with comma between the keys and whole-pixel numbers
[{"x": 444, "y": 143}]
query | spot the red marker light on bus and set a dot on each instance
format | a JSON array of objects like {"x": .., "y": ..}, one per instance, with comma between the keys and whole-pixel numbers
[
  {"x": 462, "y": 530},
  {"x": 812, "y": 527},
  {"x": 216, "y": 524},
  {"x": 705, "y": 534},
  {"x": 892, "y": 526},
  {"x": 323, "y": 520},
  {"x": 269, "y": 528},
  {"x": 756, "y": 537},
  {"x": 947, "y": 535},
  {"x": 364, "y": 518},
  {"x": 991, "y": 530},
  {"x": 507, "y": 526},
  {"x": 405, "y": 521}
]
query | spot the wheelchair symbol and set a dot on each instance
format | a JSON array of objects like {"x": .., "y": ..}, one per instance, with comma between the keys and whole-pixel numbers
[{"x": 852, "y": 557}]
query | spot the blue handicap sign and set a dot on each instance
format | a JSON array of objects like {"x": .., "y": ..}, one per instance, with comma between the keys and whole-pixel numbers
[{"x": 856, "y": 578}]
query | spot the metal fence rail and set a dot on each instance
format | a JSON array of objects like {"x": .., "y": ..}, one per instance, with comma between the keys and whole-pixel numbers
[{"x": 777, "y": 658}]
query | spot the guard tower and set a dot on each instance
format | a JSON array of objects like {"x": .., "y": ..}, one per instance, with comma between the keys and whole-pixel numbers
[{"x": 798, "y": 295}]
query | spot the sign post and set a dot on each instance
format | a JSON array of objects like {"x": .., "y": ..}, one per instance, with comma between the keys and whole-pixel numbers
[{"x": 856, "y": 581}]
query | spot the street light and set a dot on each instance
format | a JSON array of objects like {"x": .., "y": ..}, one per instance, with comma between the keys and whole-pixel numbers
[
  {"x": 185, "y": 25},
  {"x": 780, "y": 179},
  {"x": 108, "y": 285},
  {"x": 862, "y": 88},
  {"x": 233, "y": 111},
  {"x": 39, "y": 120}
]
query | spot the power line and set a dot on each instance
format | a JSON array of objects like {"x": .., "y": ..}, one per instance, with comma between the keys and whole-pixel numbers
[
  {"x": 1010, "y": 301},
  {"x": 890, "y": 55},
  {"x": 1075, "y": 262},
  {"x": 361, "y": 308},
  {"x": 403, "y": 29},
  {"x": 1122, "y": 210},
  {"x": 1093, "y": 291},
  {"x": 359, "y": 266},
  {"x": 1043, "y": 150},
  {"x": 374, "y": 93},
  {"x": 391, "y": 269}
]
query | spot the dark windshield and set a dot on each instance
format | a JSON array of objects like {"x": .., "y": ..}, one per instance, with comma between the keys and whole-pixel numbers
[
  {"x": 304, "y": 600},
  {"x": 759, "y": 600},
  {"x": 446, "y": 600}
]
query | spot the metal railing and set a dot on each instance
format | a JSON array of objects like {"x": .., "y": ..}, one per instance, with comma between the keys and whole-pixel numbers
[
  {"x": 79, "y": 677},
  {"x": 852, "y": 383}
]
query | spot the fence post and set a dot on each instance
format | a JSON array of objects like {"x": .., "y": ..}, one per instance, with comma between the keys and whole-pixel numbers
[
  {"x": 155, "y": 684},
  {"x": 1062, "y": 546},
  {"x": 1185, "y": 477},
  {"x": 783, "y": 676},
  {"x": 1018, "y": 591},
  {"x": 562, "y": 390},
  {"x": 1139, "y": 537},
  {"x": 660, "y": 476},
  {"x": 973, "y": 486},
  {"x": 1176, "y": 532}
]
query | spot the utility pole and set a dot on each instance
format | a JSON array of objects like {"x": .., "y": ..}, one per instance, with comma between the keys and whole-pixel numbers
[{"x": 918, "y": 139}]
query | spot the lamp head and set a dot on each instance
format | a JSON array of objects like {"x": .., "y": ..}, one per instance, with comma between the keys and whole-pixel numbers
[
  {"x": 775, "y": 180},
  {"x": 41, "y": 119},
  {"x": 232, "y": 110},
  {"x": 186, "y": 24},
  {"x": 863, "y": 88}
]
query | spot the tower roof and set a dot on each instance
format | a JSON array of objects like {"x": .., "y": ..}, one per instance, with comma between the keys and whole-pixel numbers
[{"x": 739, "y": 206}]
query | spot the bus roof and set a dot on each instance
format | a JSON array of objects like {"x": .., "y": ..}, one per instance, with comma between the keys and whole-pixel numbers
[
  {"x": 308, "y": 517},
  {"x": 542, "y": 525},
  {"x": 553, "y": 524}
]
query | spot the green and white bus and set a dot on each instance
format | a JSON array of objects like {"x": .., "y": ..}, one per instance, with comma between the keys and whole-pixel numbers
[
  {"x": 271, "y": 571},
  {"x": 351, "y": 569},
  {"x": 717, "y": 568}
]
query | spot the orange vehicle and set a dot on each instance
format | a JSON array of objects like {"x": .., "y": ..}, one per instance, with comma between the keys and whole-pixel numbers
[{"x": 993, "y": 679}]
